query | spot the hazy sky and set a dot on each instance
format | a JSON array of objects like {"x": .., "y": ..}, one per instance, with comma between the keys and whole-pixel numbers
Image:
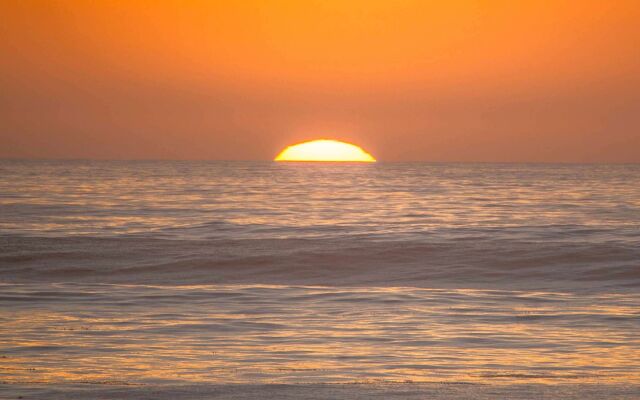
[{"x": 407, "y": 80}]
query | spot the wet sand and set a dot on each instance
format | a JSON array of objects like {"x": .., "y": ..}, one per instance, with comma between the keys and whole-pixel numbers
[{"x": 381, "y": 391}]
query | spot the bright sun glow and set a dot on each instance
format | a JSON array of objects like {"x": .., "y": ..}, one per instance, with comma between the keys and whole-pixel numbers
[{"x": 324, "y": 150}]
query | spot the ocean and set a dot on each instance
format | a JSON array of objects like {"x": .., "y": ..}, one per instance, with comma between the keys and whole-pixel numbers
[{"x": 201, "y": 279}]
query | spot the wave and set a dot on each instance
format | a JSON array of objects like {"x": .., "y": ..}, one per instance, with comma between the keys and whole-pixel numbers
[{"x": 426, "y": 262}]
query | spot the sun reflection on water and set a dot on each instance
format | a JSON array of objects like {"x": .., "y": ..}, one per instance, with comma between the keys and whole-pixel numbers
[{"x": 132, "y": 334}]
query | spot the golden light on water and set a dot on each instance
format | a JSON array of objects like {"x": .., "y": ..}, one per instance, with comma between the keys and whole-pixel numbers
[{"x": 325, "y": 150}]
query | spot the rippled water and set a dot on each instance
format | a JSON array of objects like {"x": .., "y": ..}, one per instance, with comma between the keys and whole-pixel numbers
[
  {"x": 161, "y": 273},
  {"x": 287, "y": 334},
  {"x": 202, "y": 200}
]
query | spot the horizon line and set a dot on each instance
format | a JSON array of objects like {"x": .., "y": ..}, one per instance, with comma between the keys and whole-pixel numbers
[{"x": 378, "y": 161}]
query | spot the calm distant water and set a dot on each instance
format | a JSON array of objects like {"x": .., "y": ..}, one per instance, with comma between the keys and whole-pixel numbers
[{"x": 162, "y": 273}]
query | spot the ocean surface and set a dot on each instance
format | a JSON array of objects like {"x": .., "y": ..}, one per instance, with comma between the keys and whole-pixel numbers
[{"x": 167, "y": 279}]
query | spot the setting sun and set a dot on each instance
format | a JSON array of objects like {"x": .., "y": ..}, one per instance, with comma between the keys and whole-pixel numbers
[{"x": 324, "y": 150}]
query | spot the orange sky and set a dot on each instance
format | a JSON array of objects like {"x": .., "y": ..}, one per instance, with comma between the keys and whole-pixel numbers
[{"x": 551, "y": 81}]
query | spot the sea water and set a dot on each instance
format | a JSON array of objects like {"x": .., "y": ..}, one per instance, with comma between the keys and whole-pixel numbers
[{"x": 163, "y": 274}]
